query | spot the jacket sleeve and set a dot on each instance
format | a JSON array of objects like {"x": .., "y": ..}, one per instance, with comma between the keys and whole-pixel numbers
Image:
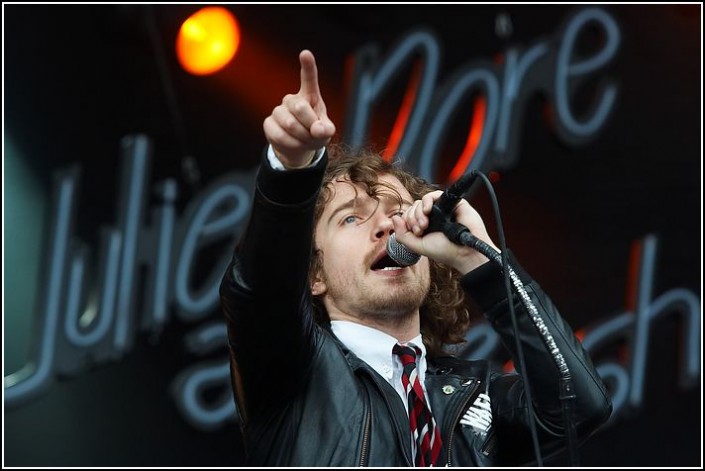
[
  {"x": 264, "y": 292},
  {"x": 592, "y": 405}
]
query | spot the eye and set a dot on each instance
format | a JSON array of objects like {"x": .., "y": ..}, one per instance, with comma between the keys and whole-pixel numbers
[
  {"x": 350, "y": 219},
  {"x": 398, "y": 212}
]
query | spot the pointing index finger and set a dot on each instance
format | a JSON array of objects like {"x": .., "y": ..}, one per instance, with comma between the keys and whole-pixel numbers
[{"x": 309, "y": 74}]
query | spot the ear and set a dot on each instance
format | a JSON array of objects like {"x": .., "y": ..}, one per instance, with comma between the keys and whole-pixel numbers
[{"x": 318, "y": 287}]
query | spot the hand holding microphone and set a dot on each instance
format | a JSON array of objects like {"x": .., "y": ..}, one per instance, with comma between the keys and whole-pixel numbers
[{"x": 420, "y": 231}]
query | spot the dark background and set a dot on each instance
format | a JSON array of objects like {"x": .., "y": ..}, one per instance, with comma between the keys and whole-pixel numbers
[{"x": 78, "y": 78}]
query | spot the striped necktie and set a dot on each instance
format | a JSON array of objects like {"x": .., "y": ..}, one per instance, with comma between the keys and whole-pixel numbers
[{"x": 427, "y": 436}]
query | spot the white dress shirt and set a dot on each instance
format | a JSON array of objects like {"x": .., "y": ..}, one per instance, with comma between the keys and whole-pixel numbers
[
  {"x": 277, "y": 164},
  {"x": 374, "y": 347}
]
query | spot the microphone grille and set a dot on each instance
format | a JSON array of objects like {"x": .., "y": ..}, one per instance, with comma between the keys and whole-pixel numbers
[{"x": 400, "y": 254}]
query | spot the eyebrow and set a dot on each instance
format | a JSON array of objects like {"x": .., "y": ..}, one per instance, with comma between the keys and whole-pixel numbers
[
  {"x": 352, "y": 203},
  {"x": 347, "y": 205}
]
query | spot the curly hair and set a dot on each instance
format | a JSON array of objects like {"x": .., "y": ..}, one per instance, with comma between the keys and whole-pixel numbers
[{"x": 445, "y": 316}]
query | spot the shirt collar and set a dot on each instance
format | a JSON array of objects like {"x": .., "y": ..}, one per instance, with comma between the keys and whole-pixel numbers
[{"x": 374, "y": 347}]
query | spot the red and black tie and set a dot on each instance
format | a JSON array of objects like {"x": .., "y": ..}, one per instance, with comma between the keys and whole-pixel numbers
[{"x": 427, "y": 436}]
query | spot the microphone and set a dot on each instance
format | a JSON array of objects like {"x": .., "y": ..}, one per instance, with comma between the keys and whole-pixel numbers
[
  {"x": 399, "y": 253},
  {"x": 440, "y": 219}
]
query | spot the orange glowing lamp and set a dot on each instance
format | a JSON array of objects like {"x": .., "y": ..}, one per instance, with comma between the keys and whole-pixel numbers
[{"x": 207, "y": 40}]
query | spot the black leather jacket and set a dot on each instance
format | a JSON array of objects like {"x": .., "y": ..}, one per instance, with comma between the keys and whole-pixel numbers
[{"x": 306, "y": 400}]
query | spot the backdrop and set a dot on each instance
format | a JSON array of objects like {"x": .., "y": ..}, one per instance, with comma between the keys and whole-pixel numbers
[{"x": 127, "y": 181}]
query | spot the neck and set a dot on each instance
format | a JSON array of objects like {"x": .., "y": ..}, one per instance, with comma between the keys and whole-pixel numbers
[{"x": 401, "y": 327}]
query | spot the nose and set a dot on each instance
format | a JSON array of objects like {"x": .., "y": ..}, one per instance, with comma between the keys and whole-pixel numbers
[{"x": 383, "y": 226}]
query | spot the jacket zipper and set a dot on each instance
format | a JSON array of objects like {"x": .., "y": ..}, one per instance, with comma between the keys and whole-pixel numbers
[
  {"x": 389, "y": 407},
  {"x": 489, "y": 445},
  {"x": 365, "y": 438},
  {"x": 457, "y": 418}
]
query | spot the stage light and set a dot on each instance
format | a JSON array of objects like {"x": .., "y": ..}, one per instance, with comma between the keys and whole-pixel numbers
[{"x": 207, "y": 40}]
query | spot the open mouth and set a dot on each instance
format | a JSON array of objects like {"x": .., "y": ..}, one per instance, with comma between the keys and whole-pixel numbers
[{"x": 386, "y": 264}]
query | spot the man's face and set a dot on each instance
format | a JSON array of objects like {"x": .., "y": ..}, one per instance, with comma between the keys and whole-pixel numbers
[{"x": 358, "y": 280}]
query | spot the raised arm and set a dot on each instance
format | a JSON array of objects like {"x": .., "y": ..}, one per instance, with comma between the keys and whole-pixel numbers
[
  {"x": 483, "y": 281},
  {"x": 265, "y": 292}
]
